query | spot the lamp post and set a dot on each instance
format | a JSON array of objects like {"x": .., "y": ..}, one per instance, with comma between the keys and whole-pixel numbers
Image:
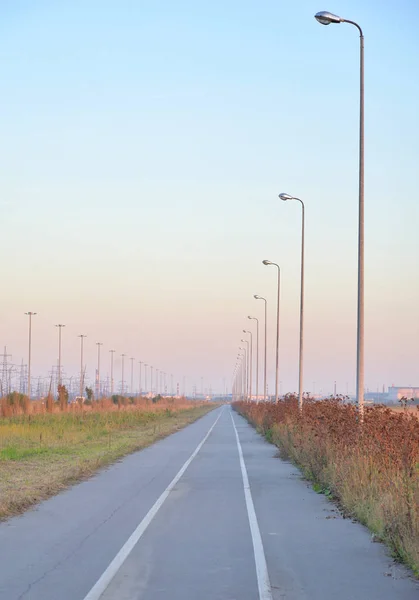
[
  {"x": 98, "y": 344},
  {"x": 81, "y": 336},
  {"x": 268, "y": 262},
  {"x": 151, "y": 375},
  {"x": 140, "y": 388},
  {"x": 247, "y": 366},
  {"x": 286, "y": 197},
  {"x": 257, "y": 355},
  {"x": 30, "y": 315},
  {"x": 132, "y": 375},
  {"x": 326, "y": 18},
  {"x": 157, "y": 382},
  {"x": 145, "y": 378},
  {"x": 241, "y": 373},
  {"x": 123, "y": 379},
  {"x": 266, "y": 338},
  {"x": 245, "y": 370},
  {"x": 60, "y": 326},
  {"x": 112, "y": 352},
  {"x": 250, "y": 362}
]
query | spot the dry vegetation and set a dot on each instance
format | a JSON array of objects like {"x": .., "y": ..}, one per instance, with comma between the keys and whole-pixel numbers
[
  {"x": 44, "y": 448},
  {"x": 372, "y": 469}
]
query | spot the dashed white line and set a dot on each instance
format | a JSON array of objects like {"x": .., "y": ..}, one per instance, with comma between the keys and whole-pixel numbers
[
  {"x": 110, "y": 572},
  {"x": 264, "y": 585}
]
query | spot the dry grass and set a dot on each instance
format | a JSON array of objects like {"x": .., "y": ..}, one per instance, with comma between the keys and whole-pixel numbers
[
  {"x": 42, "y": 453},
  {"x": 371, "y": 469}
]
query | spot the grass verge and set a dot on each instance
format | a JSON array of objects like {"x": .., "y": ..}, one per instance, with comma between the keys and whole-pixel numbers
[
  {"x": 41, "y": 455},
  {"x": 370, "y": 469}
]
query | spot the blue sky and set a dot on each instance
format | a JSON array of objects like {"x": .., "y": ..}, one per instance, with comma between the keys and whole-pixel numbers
[{"x": 143, "y": 148}]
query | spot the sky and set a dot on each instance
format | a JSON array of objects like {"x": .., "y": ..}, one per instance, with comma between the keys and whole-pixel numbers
[{"x": 143, "y": 147}]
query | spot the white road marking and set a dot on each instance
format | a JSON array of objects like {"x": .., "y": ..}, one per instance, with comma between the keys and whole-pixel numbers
[
  {"x": 264, "y": 585},
  {"x": 110, "y": 572}
]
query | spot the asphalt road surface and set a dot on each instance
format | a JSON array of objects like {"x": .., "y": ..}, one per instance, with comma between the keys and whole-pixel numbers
[{"x": 208, "y": 513}]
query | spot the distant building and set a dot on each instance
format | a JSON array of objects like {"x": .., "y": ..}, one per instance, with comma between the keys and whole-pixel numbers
[{"x": 395, "y": 393}]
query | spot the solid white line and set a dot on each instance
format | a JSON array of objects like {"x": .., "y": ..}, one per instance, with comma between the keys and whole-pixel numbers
[
  {"x": 264, "y": 585},
  {"x": 110, "y": 572}
]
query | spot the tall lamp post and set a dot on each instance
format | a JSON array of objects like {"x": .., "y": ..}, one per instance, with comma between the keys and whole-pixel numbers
[
  {"x": 140, "y": 388},
  {"x": 145, "y": 379},
  {"x": 123, "y": 379},
  {"x": 285, "y": 197},
  {"x": 112, "y": 352},
  {"x": 244, "y": 363},
  {"x": 268, "y": 262},
  {"x": 132, "y": 375},
  {"x": 326, "y": 18},
  {"x": 81, "y": 364},
  {"x": 250, "y": 362},
  {"x": 60, "y": 326},
  {"x": 241, "y": 357},
  {"x": 266, "y": 342},
  {"x": 98, "y": 344},
  {"x": 247, "y": 365},
  {"x": 30, "y": 315},
  {"x": 257, "y": 355}
]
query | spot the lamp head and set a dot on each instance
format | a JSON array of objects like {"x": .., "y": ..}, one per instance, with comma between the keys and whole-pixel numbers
[
  {"x": 285, "y": 196},
  {"x": 325, "y": 18},
  {"x": 267, "y": 262}
]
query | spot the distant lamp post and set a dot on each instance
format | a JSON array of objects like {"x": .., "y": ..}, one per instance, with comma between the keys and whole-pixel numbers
[
  {"x": 132, "y": 376},
  {"x": 98, "y": 344},
  {"x": 123, "y": 374},
  {"x": 247, "y": 365},
  {"x": 81, "y": 364},
  {"x": 140, "y": 382},
  {"x": 257, "y": 355},
  {"x": 250, "y": 362},
  {"x": 266, "y": 263},
  {"x": 266, "y": 342},
  {"x": 112, "y": 352},
  {"x": 285, "y": 197},
  {"x": 60, "y": 326},
  {"x": 30, "y": 315},
  {"x": 326, "y": 18},
  {"x": 145, "y": 379}
]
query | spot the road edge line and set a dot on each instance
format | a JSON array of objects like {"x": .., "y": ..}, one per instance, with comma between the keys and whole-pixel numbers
[{"x": 264, "y": 585}]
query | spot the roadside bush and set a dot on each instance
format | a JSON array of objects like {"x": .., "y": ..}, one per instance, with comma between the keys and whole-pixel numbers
[{"x": 372, "y": 468}]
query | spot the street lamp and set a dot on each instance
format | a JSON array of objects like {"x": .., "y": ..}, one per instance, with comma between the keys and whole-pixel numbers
[
  {"x": 285, "y": 197},
  {"x": 30, "y": 315},
  {"x": 81, "y": 364},
  {"x": 268, "y": 262},
  {"x": 140, "y": 388},
  {"x": 250, "y": 361},
  {"x": 123, "y": 381},
  {"x": 247, "y": 366},
  {"x": 98, "y": 344},
  {"x": 325, "y": 18},
  {"x": 132, "y": 375},
  {"x": 151, "y": 376},
  {"x": 266, "y": 338},
  {"x": 112, "y": 352},
  {"x": 241, "y": 357},
  {"x": 145, "y": 379},
  {"x": 257, "y": 355},
  {"x": 60, "y": 326}
]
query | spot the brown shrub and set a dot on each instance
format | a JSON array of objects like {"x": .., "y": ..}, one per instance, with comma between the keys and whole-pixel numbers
[{"x": 372, "y": 468}]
